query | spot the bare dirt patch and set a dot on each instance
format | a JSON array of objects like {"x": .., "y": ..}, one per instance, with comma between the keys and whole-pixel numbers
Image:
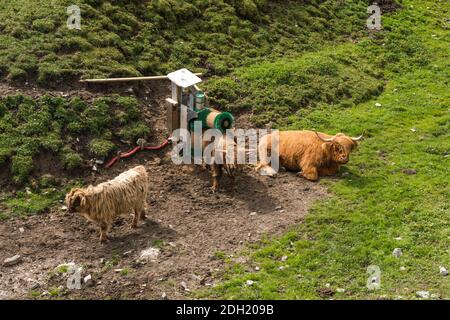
[
  {"x": 186, "y": 222},
  {"x": 191, "y": 226}
]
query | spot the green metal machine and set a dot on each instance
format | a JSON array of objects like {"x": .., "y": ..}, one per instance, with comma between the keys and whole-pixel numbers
[{"x": 185, "y": 93}]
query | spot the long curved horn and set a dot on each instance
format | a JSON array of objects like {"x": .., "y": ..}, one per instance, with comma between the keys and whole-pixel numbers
[
  {"x": 358, "y": 138},
  {"x": 323, "y": 139}
]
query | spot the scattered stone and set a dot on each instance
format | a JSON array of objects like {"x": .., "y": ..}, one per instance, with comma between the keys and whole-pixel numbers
[
  {"x": 118, "y": 270},
  {"x": 409, "y": 171},
  {"x": 127, "y": 253},
  {"x": 21, "y": 230},
  {"x": 284, "y": 258},
  {"x": 184, "y": 286},
  {"x": 64, "y": 208},
  {"x": 253, "y": 213},
  {"x": 150, "y": 254},
  {"x": 278, "y": 208},
  {"x": 12, "y": 261},
  {"x": 164, "y": 296},
  {"x": 281, "y": 268},
  {"x": 402, "y": 269},
  {"x": 378, "y": 104},
  {"x": 413, "y": 130},
  {"x": 257, "y": 268},
  {"x": 249, "y": 282},
  {"x": 340, "y": 290},
  {"x": 398, "y": 238},
  {"x": 397, "y": 252},
  {"x": 88, "y": 281},
  {"x": 327, "y": 285},
  {"x": 281, "y": 211},
  {"x": 443, "y": 271},
  {"x": 423, "y": 294},
  {"x": 100, "y": 162},
  {"x": 94, "y": 168}
]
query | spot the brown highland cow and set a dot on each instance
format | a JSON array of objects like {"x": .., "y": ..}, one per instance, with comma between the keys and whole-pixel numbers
[
  {"x": 102, "y": 203},
  {"x": 314, "y": 153}
]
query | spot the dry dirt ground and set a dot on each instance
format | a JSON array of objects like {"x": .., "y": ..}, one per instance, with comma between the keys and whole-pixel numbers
[{"x": 190, "y": 226}]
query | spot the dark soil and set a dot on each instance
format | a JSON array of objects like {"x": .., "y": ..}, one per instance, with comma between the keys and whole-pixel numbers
[{"x": 186, "y": 221}]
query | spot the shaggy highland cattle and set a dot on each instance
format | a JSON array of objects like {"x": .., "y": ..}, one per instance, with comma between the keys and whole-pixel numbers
[
  {"x": 220, "y": 148},
  {"x": 314, "y": 153},
  {"x": 102, "y": 203}
]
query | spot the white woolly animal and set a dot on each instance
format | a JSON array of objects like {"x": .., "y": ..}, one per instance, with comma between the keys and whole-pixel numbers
[{"x": 102, "y": 203}]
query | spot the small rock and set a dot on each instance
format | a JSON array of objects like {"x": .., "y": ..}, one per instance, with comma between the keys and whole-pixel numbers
[
  {"x": 327, "y": 285},
  {"x": 126, "y": 253},
  {"x": 88, "y": 281},
  {"x": 100, "y": 162},
  {"x": 397, "y": 252},
  {"x": 249, "y": 282},
  {"x": 94, "y": 168},
  {"x": 257, "y": 269},
  {"x": 150, "y": 254},
  {"x": 284, "y": 258},
  {"x": 164, "y": 296},
  {"x": 64, "y": 208},
  {"x": 443, "y": 271},
  {"x": 378, "y": 104},
  {"x": 118, "y": 270},
  {"x": 21, "y": 230},
  {"x": 281, "y": 268},
  {"x": 402, "y": 269},
  {"x": 8, "y": 262},
  {"x": 398, "y": 238},
  {"x": 423, "y": 294},
  {"x": 409, "y": 171},
  {"x": 278, "y": 208},
  {"x": 184, "y": 286},
  {"x": 340, "y": 290}
]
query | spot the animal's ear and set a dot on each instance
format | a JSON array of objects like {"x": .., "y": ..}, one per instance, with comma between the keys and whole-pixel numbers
[{"x": 326, "y": 146}]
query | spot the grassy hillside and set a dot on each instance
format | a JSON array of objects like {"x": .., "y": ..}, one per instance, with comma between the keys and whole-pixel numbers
[
  {"x": 128, "y": 38},
  {"x": 395, "y": 191}
]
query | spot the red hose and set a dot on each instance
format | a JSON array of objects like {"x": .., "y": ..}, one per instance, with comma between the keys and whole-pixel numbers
[{"x": 131, "y": 152}]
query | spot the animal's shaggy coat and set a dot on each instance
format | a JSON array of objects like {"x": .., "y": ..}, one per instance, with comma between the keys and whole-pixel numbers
[
  {"x": 102, "y": 203},
  {"x": 307, "y": 151},
  {"x": 230, "y": 167}
]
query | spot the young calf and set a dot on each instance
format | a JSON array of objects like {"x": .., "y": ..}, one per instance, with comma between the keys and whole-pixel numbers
[{"x": 102, "y": 203}]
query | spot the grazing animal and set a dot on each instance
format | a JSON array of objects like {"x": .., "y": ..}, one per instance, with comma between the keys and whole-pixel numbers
[
  {"x": 102, "y": 203},
  {"x": 314, "y": 153},
  {"x": 229, "y": 167}
]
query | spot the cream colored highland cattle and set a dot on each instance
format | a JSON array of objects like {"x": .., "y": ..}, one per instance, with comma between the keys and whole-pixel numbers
[
  {"x": 220, "y": 147},
  {"x": 102, "y": 203},
  {"x": 313, "y": 153}
]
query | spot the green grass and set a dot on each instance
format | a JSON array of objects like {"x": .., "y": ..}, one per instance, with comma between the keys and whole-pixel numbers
[
  {"x": 376, "y": 202},
  {"x": 129, "y": 38},
  {"x": 61, "y": 127}
]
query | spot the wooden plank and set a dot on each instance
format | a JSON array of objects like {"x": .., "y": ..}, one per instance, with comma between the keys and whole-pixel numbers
[{"x": 108, "y": 80}]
